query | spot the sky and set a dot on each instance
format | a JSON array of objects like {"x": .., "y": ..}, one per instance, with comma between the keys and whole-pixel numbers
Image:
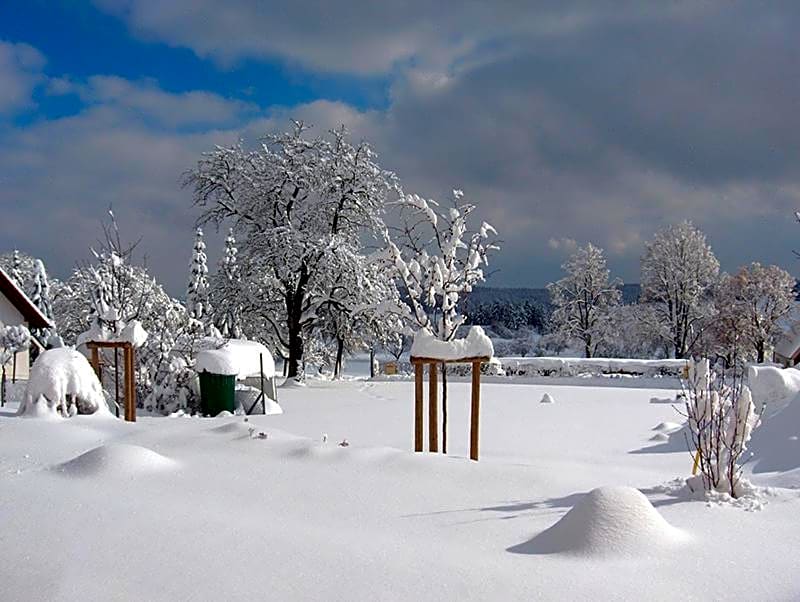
[{"x": 565, "y": 122}]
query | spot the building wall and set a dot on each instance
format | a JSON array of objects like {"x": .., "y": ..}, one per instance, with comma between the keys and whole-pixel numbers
[{"x": 10, "y": 316}]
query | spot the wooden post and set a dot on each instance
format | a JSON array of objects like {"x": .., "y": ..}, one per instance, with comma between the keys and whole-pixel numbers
[
  {"x": 130, "y": 385},
  {"x": 433, "y": 407},
  {"x": 96, "y": 360},
  {"x": 475, "y": 412},
  {"x": 418, "y": 369}
]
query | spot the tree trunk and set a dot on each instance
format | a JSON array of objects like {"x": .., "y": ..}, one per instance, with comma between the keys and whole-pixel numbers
[
  {"x": 444, "y": 408},
  {"x": 587, "y": 350},
  {"x": 295, "y": 352},
  {"x": 760, "y": 350},
  {"x": 372, "y": 362},
  {"x": 337, "y": 368}
]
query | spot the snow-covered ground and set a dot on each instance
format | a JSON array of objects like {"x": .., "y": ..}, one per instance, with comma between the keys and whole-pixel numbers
[{"x": 183, "y": 508}]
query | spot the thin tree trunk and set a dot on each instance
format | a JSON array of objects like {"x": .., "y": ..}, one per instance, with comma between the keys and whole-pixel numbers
[
  {"x": 444, "y": 408},
  {"x": 372, "y": 362},
  {"x": 337, "y": 369}
]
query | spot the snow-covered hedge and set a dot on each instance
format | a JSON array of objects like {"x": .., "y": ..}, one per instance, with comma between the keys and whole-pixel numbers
[{"x": 568, "y": 366}]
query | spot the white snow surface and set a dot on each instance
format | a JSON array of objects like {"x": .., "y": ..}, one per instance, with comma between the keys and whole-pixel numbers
[
  {"x": 187, "y": 508},
  {"x": 235, "y": 357},
  {"x": 57, "y": 373},
  {"x": 475, "y": 344}
]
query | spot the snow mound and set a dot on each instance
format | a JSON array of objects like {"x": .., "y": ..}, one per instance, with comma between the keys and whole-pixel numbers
[
  {"x": 660, "y": 437},
  {"x": 608, "y": 521},
  {"x": 117, "y": 459},
  {"x": 667, "y": 427},
  {"x": 65, "y": 380},
  {"x": 476, "y": 344},
  {"x": 773, "y": 387},
  {"x": 236, "y": 427},
  {"x": 662, "y": 400},
  {"x": 547, "y": 398}
]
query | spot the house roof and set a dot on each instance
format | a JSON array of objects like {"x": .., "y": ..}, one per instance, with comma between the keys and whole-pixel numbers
[{"x": 31, "y": 313}]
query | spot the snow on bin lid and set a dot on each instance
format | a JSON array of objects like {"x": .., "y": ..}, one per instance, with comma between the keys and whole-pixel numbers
[
  {"x": 476, "y": 344},
  {"x": 235, "y": 357}
]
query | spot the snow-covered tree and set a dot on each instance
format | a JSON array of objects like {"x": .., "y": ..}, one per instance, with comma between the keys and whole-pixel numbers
[
  {"x": 111, "y": 291},
  {"x": 581, "y": 299},
  {"x": 13, "y": 339},
  {"x": 40, "y": 296},
  {"x": 679, "y": 273},
  {"x": 302, "y": 209},
  {"x": 438, "y": 260},
  {"x": 197, "y": 291},
  {"x": 16, "y": 269},
  {"x": 226, "y": 289},
  {"x": 752, "y": 303}
]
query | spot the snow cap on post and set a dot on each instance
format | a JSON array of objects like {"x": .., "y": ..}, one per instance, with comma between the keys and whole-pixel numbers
[{"x": 475, "y": 345}]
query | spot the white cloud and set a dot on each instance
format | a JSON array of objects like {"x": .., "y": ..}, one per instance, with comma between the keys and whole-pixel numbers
[{"x": 20, "y": 71}]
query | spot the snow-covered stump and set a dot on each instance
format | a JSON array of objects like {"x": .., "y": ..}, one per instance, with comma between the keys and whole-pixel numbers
[{"x": 475, "y": 349}]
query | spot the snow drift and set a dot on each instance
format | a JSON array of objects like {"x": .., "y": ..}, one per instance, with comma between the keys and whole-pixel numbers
[
  {"x": 118, "y": 459},
  {"x": 62, "y": 380},
  {"x": 608, "y": 521}
]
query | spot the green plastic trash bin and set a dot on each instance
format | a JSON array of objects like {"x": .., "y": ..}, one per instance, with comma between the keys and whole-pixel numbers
[{"x": 217, "y": 393}]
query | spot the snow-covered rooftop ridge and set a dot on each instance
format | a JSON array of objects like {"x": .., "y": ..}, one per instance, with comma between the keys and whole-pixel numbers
[
  {"x": 789, "y": 343},
  {"x": 476, "y": 344},
  {"x": 234, "y": 357}
]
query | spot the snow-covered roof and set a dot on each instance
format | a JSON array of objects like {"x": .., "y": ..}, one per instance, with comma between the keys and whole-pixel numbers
[
  {"x": 235, "y": 357},
  {"x": 789, "y": 343},
  {"x": 29, "y": 311},
  {"x": 476, "y": 344}
]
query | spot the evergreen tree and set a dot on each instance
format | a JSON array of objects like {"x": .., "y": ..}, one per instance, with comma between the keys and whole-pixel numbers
[
  {"x": 197, "y": 292},
  {"x": 41, "y": 290},
  {"x": 229, "y": 320},
  {"x": 16, "y": 270}
]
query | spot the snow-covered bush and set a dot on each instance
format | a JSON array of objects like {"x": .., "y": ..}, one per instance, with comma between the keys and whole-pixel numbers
[
  {"x": 721, "y": 417},
  {"x": 62, "y": 381},
  {"x": 13, "y": 339}
]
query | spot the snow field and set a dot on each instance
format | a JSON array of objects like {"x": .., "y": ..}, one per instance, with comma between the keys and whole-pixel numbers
[{"x": 220, "y": 514}]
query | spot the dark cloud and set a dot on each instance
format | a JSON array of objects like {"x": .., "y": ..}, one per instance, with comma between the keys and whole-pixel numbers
[{"x": 565, "y": 122}]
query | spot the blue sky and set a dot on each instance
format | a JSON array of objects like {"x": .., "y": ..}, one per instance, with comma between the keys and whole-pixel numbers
[{"x": 566, "y": 122}]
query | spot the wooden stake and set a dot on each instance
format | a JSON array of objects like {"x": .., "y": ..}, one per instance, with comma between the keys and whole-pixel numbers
[
  {"x": 418, "y": 368},
  {"x": 433, "y": 408},
  {"x": 475, "y": 412},
  {"x": 130, "y": 385},
  {"x": 96, "y": 361}
]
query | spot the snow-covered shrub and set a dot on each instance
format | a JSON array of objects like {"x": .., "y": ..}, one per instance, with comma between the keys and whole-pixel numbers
[
  {"x": 721, "y": 417},
  {"x": 62, "y": 381}
]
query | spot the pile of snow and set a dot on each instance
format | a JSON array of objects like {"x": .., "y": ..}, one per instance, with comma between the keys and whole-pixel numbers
[
  {"x": 476, "y": 344},
  {"x": 235, "y": 357},
  {"x": 575, "y": 366},
  {"x": 57, "y": 374},
  {"x": 117, "y": 459},
  {"x": 773, "y": 387},
  {"x": 132, "y": 332},
  {"x": 547, "y": 398},
  {"x": 608, "y": 521}
]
